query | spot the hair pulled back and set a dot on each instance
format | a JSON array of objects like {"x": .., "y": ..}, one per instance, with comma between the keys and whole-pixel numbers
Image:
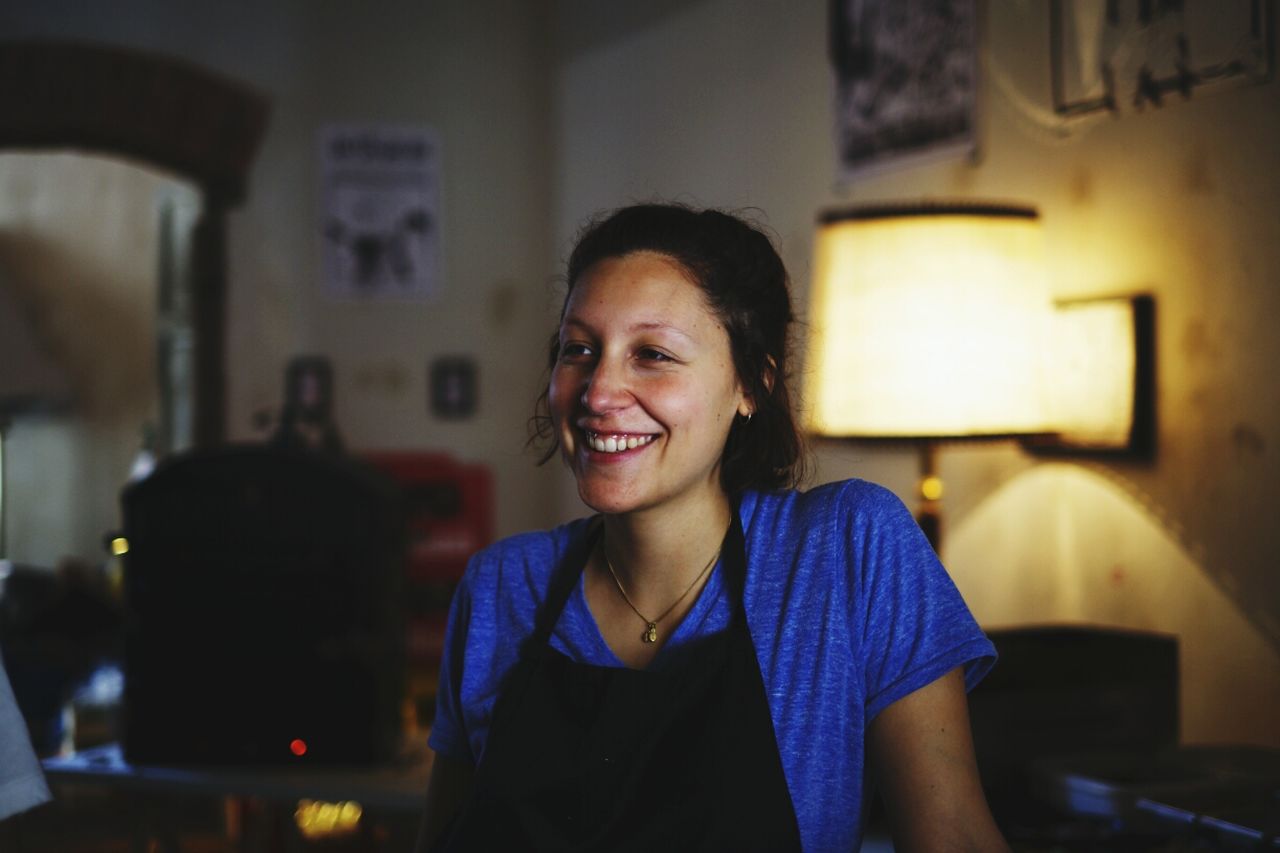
[{"x": 745, "y": 283}]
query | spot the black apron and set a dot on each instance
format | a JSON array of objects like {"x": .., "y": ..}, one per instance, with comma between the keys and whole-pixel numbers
[{"x": 594, "y": 758}]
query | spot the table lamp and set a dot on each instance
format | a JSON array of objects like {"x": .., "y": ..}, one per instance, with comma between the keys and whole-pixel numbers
[{"x": 933, "y": 322}]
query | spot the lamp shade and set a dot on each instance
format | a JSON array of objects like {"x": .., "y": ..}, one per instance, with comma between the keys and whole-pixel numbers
[{"x": 928, "y": 322}]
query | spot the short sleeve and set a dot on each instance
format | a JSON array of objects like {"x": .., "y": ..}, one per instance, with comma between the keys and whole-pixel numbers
[
  {"x": 22, "y": 785},
  {"x": 915, "y": 626},
  {"x": 448, "y": 731}
]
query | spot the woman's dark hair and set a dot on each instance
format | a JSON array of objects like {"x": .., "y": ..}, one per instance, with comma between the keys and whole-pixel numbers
[{"x": 745, "y": 282}]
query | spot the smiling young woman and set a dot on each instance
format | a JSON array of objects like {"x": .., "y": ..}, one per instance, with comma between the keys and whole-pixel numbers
[{"x": 711, "y": 661}]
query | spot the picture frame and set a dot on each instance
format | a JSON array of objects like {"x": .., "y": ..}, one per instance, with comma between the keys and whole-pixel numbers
[
  {"x": 906, "y": 77},
  {"x": 1130, "y": 55}
]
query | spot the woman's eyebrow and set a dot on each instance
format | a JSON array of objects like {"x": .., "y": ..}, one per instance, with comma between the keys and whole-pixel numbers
[
  {"x": 658, "y": 326},
  {"x": 642, "y": 326}
]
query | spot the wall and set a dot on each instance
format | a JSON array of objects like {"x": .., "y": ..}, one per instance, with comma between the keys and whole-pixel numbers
[
  {"x": 475, "y": 71},
  {"x": 733, "y": 108}
]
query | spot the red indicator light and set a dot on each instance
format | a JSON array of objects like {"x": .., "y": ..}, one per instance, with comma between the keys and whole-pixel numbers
[{"x": 298, "y": 747}]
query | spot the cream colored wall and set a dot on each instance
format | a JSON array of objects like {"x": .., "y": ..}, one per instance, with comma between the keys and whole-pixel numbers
[
  {"x": 472, "y": 69},
  {"x": 728, "y": 103},
  {"x": 476, "y": 73}
]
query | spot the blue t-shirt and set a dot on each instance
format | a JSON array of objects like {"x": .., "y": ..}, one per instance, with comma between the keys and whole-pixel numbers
[{"x": 848, "y": 608}]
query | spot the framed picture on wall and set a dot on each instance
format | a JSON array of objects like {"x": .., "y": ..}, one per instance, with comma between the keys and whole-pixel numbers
[
  {"x": 1131, "y": 55},
  {"x": 380, "y": 211},
  {"x": 906, "y": 81}
]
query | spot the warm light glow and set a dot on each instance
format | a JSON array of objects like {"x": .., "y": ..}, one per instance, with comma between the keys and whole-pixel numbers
[
  {"x": 928, "y": 325},
  {"x": 1093, "y": 369},
  {"x": 119, "y": 546},
  {"x": 931, "y": 488},
  {"x": 319, "y": 819},
  {"x": 298, "y": 747}
]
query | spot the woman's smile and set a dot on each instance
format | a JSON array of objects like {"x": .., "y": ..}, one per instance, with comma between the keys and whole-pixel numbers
[{"x": 615, "y": 443}]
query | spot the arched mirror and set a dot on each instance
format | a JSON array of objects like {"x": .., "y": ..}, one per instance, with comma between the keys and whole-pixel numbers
[
  {"x": 95, "y": 262},
  {"x": 117, "y": 170}
]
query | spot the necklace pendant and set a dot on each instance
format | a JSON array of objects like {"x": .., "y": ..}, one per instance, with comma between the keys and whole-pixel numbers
[{"x": 651, "y": 634}]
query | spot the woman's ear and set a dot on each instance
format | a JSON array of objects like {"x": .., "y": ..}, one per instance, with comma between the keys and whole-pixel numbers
[
  {"x": 747, "y": 407},
  {"x": 770, "y": 373}
]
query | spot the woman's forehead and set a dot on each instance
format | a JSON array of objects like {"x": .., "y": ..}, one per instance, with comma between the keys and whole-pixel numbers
[
  {"x": 648, "y": 259},
  {"x": 641, "y": 291}
]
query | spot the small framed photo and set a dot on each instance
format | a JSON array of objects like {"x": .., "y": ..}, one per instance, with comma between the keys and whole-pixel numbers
[{"x": 453, "y": 387}]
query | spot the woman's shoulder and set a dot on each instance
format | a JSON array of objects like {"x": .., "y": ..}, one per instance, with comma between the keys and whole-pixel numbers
[
  {"x": 839, "y": 503},
  {"x": 838, "y": 531},
  {"x": 524, "y": 559}
]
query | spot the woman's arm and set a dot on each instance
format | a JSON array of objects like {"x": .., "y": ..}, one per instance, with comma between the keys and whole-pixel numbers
[
  {"x": 447, "y": 789},
  {"x": 922, "y": 752}
]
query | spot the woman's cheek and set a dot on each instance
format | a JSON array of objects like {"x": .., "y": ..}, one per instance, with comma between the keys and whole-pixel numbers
[{"x": 556, "y": 392}]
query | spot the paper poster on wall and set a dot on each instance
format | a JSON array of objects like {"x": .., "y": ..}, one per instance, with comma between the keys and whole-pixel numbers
[
  {"x": 906, "y": 81},
  {"x": 380, "y": 220}
]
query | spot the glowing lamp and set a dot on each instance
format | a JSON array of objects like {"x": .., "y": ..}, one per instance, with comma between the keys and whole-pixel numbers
[
  {"x": 926, "y": 322},
  {"x": 1102, "y": 375},
  {"x": 934, "y": 322}
]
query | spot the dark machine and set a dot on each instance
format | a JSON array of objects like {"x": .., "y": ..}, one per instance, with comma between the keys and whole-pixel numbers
[
  {"x": 1076, "y": 731},
  {"x": 263, "y": 618}
]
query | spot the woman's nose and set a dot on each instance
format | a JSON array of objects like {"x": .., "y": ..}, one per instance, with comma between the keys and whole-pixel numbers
[{"x": 606, "y": 388}]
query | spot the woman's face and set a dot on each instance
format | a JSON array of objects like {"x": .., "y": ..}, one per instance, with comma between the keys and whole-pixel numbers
[{"x": 644, "y": 391}]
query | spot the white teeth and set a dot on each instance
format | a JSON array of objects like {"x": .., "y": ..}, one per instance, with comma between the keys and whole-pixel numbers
[{"x": 616, "y": 443}]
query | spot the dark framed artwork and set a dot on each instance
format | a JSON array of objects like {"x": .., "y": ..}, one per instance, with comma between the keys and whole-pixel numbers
[
  {"x": 1130, "y": 55},
  {"x": 453, "y": 387},
  {"x": 906, "y": 81}
]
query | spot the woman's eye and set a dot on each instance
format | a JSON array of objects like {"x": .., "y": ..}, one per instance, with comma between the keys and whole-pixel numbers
[
  {"x": 574, "y": 350},
  {"x": 650, "y": 354}
]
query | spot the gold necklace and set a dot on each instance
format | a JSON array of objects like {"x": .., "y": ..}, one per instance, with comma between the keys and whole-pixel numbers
[{"x": 650, "y": 634}]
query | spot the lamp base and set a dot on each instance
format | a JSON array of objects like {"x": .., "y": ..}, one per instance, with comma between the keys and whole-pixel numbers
[
  {"x": 930, "y": 521},
  {"x": 929, "y": 513}
]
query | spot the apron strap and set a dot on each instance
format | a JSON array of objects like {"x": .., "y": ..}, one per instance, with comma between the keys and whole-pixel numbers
[
  {"x": 563, "y": 579},
  {"x": 733, "y": 551}
]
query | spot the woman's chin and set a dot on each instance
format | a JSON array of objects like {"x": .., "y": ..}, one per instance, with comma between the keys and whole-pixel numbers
[
  {"x": 604, "y": 503},
  {"x": 606, "y": 498}
]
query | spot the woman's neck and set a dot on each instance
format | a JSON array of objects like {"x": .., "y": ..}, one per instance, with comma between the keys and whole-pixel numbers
[{"x": 656, "y": 553}]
